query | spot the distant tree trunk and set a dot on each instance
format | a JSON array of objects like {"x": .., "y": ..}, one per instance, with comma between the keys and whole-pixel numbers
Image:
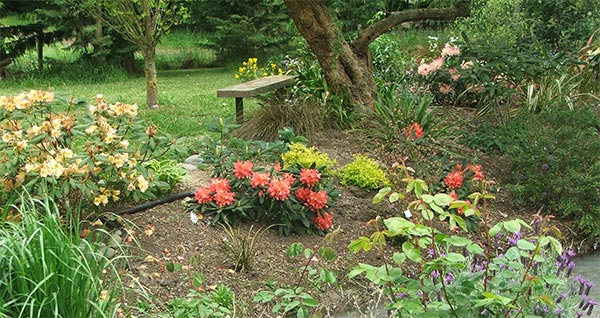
[
  {"x": 347, "y": 67},
  {"x": 151, "y": 78}
]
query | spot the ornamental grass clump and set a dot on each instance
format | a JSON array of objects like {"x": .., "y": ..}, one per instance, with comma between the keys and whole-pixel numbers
[
  {"x": 295, "y": 199},
  {"x": 46, "y": 271},
  {"x": 513, "y": 269},
  {"x": 364, "y": 173},
  {"x": 90, "y": 156}
]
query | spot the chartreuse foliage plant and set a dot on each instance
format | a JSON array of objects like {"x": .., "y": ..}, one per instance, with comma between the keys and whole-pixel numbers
[
  {"x": 306, "y": 157},
  {"x": 46, "y": 271},
  {"x": 514, "y": 269},
  {"x": 82, "y": 156},
  {"x": 364, "y": 173}
]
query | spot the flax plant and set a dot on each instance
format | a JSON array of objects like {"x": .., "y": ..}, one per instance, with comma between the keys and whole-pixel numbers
[{"x": 46, "y": 271}]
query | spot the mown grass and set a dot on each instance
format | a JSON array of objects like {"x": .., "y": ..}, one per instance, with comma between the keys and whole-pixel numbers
[{"x": 188, "y": 98}]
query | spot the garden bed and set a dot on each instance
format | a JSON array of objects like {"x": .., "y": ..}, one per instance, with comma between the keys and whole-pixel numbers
[{"x": 166, "y": 235}]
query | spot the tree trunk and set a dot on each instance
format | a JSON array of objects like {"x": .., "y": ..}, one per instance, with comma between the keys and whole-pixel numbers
[
  {"x": 151, "y": 79},
  {"x": 347, "y": 68},
  {"x": 347, "y": 74}
]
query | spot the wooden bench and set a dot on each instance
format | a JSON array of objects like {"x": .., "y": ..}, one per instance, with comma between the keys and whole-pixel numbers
[{"x": 253, "y": 88}]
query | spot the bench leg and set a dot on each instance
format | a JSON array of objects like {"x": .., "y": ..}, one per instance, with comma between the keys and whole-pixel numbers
[{"x": 239, "y": 110}]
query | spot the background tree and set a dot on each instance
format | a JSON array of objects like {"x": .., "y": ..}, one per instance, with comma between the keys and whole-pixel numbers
[
  {"x": 142, "y": 23},
  {"x": 347, "y": 65}
]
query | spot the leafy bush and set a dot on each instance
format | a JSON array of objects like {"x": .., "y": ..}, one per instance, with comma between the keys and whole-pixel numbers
[
  {"x": 454, "y": 276},
  {"x": 496, "y": 20},
  {"x": 563, "y": 24},
  {"x": 168, "y": 171},
  {"x": 389, "y": 61},
  {"x": 306, "y": 157},
  {"x": 46, "y": 271},
  {"x": 73, "y": 157},
  {"x": 555, "y": 164},
  {"x": 204, "y": 304},
  {"x": 364, "y": 173}
]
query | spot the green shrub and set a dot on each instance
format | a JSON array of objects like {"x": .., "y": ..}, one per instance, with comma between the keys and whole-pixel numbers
[
  {"x": 556, "y": 165},
  {"x": 46, "y": 271},
  {"x": 364, "y": 173},
  {"x": 306, "y": 157}
]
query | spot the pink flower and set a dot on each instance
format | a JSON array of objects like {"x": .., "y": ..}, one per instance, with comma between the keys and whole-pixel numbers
[
  {"x": 317, "y": 200},
  {"x": 436, "y": 64},
  {"x": 288, "y": 178},
  {"x": 202, "y": 195},
  {"x": 450, "y": 50},
  {"x": 310, "y": 177},
  {"x": 242, "y": 169},
  {"x": 218, "y": 184},
  {"x": 323, "y": 221},
  {"x": 223, "y": 198},
  {"x": 466, "y": 65},
  {"x": 445, "y": 89},
  {"x": 260, "y": 179},
  {"x": 454, "y": 74},
  {"x": 277, "y": 167},
  {"x": 279, "y": 189},
  {"x": 424, "y": 69}
]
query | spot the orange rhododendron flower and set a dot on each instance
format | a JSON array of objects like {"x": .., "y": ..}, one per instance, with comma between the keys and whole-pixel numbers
[
  {"x": 223, "y": 198},
  {"x": 279, "y": 189},
  {"x": 317, "y": 200},
  {"x": 218, "y": 184},
  {"x": 203, "y": 195},
  {"x": 323, "y": 221},
  {"x": 310, "y": 177},
  {"x": 454, "y": 179},
  {"x": 302, "y": 194},
  {"x": 242, "y": 169},
  {"x": 260, "y": 179}
]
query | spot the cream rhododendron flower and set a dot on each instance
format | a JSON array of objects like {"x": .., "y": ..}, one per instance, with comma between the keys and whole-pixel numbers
[{"x": 142, "y": 183}]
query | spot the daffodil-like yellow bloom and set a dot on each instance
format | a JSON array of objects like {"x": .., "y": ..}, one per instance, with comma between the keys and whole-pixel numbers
[{"x": 118, "y": 160}]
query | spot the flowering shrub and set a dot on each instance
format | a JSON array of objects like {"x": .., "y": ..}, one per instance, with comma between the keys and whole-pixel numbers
[
  {"x": 364, "y": 173},
  {"x": 89, "y": 159},
  {"x": 295, "y": 199},
  {"x": 513, "y": 269},
  {"x": 249, "y": 70}
]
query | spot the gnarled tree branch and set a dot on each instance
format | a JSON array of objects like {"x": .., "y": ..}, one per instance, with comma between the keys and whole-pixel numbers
[{"x": 375, "y": 30}]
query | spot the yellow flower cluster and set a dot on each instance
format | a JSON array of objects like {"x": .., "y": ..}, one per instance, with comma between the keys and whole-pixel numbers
[
  {"x": 249, "y": 70},
  {"x": 40, "y": 145},
  {"x": 25, "y": 100}
]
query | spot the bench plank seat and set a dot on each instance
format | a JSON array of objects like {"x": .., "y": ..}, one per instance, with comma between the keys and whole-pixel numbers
[{"x": 253, "y": 88}]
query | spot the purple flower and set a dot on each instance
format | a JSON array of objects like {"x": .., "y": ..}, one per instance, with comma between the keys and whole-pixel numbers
[
  {"x": 559, "y": 312},
  {"x": 545, "y": 167}
]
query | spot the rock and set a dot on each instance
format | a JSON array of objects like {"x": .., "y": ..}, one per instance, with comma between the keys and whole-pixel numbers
[
  {"x": 194, "y": 160},
  {"x": 189, "y": 167}
]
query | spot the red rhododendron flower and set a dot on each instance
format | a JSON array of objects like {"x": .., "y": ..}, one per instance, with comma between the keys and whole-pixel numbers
[
  {"x": 416, "y": 128},
  {"x": 478, "y": 173},
  {"x": 279, "y": 189},
  {"x": 260, "y": 179},
  {"x": 302, "y": 194},
  {"x": 323, "y": 221},
  {"x": 310, "y": 177},
  {"x": 218, "y": 184},
  {"x": 203, "y": 195},
  {"x": 454, "y": 195},
  {"x": 242, "y": 169},
  {"x": 317, "y": 200},
  {"x": 223, "y": 198},
  {"x": 454, "y": 179},
  {"x": 277, "y": 167}
]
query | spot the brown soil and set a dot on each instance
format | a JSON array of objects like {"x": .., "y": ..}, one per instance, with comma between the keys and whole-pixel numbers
[{"x": 166, "y": 234}]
